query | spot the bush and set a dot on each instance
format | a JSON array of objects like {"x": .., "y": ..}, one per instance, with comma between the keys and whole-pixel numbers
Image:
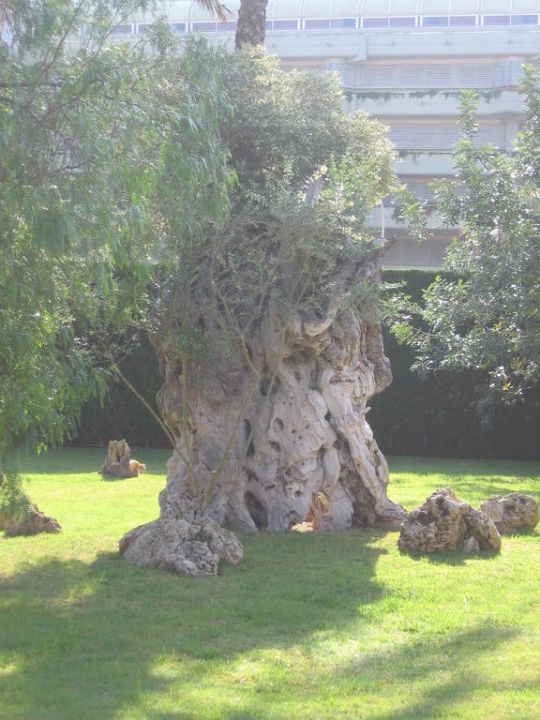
[
  {"x": 436, "y": 416},
  {"x": 122, "y": 415}
]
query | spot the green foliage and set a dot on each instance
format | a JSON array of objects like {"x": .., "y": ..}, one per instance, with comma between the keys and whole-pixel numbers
[
  {"x": 487, "y": 317},
  {"x": 292, "y": 123},
  {"x": 435, "y": 413},
  {"x": 13, "y": 499},
  {"x": 308, "y": 174},
  {"x": 104, "y": 150}
]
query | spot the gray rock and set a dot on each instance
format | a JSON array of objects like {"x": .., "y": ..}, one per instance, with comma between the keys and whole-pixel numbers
[
  {"x": 30, "y": 521},
  {"x": 512, "y": 512},
  {"x": 471, "y": 546},
  {"x": 443, "y": 522}
]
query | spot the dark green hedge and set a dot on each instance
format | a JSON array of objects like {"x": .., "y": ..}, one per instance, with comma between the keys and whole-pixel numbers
[
  {"x": 436, "y": 416},
  {"x": 122, "y": 415},
  {"x": 412, "y": 417}
]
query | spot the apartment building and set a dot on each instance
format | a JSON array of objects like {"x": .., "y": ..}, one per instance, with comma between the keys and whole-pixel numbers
[{"x": 404, "y": 62}]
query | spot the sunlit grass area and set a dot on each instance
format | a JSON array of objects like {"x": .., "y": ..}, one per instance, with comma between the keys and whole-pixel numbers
[{"x": 309, "y": 626}]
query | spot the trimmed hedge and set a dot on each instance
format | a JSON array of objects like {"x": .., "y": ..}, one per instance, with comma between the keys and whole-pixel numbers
[
  {"x": 122, "y": 415},
  {"x": 435, "y": 416},
  {"x": 412, "y": 417}
]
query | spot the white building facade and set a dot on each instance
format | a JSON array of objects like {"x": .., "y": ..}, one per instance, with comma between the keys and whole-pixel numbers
[{"x": 405, "y": 63}]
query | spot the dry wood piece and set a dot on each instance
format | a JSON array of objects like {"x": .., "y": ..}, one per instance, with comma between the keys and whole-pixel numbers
[{"x": 118, "y": 463}]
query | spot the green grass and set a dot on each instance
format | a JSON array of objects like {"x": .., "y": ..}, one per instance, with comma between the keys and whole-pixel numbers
[{"x": 309, "y": 626}]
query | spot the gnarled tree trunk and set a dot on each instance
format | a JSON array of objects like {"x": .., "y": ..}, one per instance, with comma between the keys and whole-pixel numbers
[{"x": 298, "y": 400}]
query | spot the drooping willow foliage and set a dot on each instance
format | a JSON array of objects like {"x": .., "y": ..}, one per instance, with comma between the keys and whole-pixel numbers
[{"x": 110, "y": 156}]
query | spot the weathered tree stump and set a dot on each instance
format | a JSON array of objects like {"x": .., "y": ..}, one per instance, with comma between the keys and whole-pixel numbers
[
  {"x": 511, "y": 513},
  {"x": 118, "y": 463},
  {"x": 444, "y": 522},
  {"x": 302, "y": 432}
]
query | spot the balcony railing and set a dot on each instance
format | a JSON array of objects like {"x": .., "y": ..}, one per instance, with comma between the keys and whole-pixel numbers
[{"x": 307, "y": 24}]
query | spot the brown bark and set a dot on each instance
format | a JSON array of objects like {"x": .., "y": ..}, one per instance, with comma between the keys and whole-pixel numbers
[{"x": 251, "y": 27}]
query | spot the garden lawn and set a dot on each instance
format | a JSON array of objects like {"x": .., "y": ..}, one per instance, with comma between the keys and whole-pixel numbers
[{"x": 310, "y": 626}]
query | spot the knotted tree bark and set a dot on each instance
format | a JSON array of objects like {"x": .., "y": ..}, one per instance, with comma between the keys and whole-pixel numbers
[
  {"x": 269, "y": 340},
  {"x": 268, "y": 426}
]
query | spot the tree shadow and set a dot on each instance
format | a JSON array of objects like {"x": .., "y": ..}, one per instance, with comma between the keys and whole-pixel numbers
[
  {"x": 443, "y": 670},
  {"x": 97, "y": 640},
  {"x": 453, "y": 558},
  {"x": 83, "y": 639}
]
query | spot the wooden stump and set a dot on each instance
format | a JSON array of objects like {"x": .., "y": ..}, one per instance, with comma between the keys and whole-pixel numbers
[{"x": 118, "y": 463}]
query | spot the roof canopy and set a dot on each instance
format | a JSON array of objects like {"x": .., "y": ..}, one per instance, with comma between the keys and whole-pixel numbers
[{"x": 191, "y": 11}]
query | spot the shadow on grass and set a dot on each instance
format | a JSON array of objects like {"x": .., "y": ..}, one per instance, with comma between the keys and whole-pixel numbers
[
  {"x": 447, "y": 657},
  {"x": 83, "y": 639},
  {"x": 440, "y": 666}
]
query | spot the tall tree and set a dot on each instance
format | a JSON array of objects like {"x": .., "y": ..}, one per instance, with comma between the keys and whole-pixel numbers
[
  {"x": 488, "y": 317},
  {"x": 103, "y": 151},
  {"x": 251, "y": 27},
  {"x": 270, "y": 343}
]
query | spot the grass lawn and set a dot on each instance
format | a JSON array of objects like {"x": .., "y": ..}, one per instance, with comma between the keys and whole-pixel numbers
[{"x": 310, "y": 626}]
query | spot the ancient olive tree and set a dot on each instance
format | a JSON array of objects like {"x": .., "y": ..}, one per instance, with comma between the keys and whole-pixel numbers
[
  {"x": 268, "y": 334},
  {"x": 91, "y": 133},
  {"x": 488, "y": 317}
]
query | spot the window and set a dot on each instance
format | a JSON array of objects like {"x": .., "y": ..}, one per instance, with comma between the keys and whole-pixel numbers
[
  {"x": 343, "y": 23},
  {"x": 524, "y": 20},
  {"x": 462, "y": 20},
  {"x": 402, "y": 22},
  {"x": 179, "y": 27},
  {"x": 223, "y": 26},
  {"x": 321, "y": 24},
  {"x": 122, "y": 30},
  {"x": 204, "y": 27},
  {"x": 380, "y": 22},
  {"x": 496, "y": 19},
  {"x": 285, "y": 25},
  {"x": 439, "y": 21}
]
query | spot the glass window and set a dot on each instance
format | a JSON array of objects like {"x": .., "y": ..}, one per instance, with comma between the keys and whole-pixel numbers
[
  {"x": 285, "y": 25},
  {"x": 435, "y": 21},
  {"x": 462, "y": 20},
  {"x": 142, "y": 28},
  {"x": 179, "y": 27},
  {"x": 524, "y": 20},
  {"x": 121, "y": 30},
  {"x": 319, "y": 24},
  {"x": 227, "y": 26},
  {"x": 343, "y": 23},
  {"x": 402, "y": 22},
  {"x": 204, "y": 26},
  {"x": 375, "y": 22},
  {"x": 496, "y": 19}
]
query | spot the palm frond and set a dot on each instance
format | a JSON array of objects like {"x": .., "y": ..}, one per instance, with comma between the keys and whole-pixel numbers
[{"x": 217, "y": 8}]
